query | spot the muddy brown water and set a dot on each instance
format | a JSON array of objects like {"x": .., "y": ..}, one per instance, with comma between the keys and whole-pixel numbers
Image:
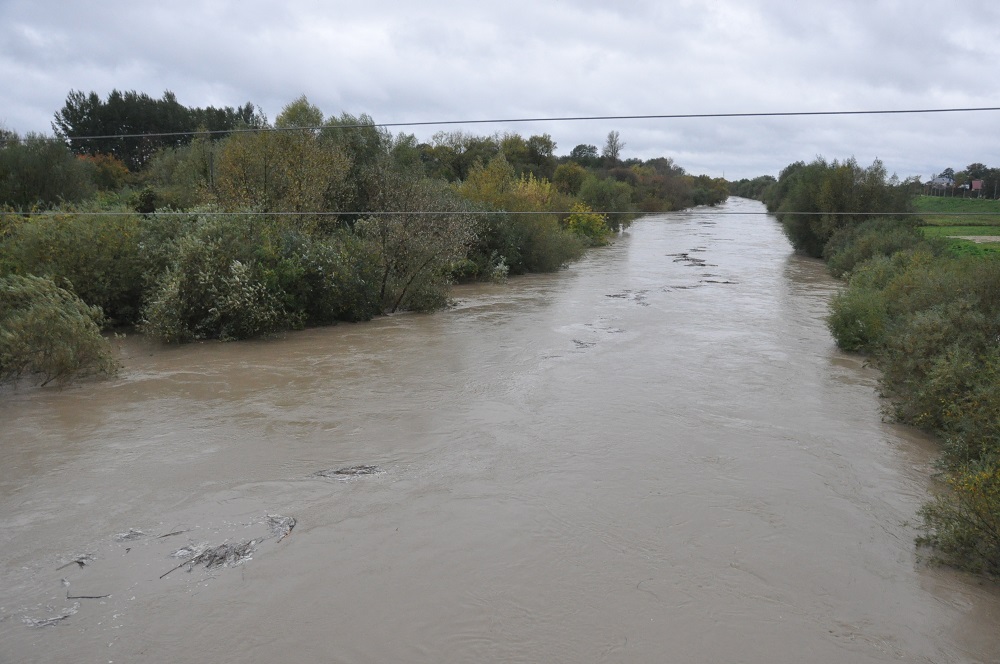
[{"x": 655, "y": 455}]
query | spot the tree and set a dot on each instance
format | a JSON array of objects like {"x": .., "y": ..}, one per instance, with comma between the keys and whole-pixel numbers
[
  {"x": 569, "y": 177},
  {"x": 39, "y": 171},
  {"x": 424, "y": 234},
  {"x": 613, "y": 148},
  {"x": 133, "y": 126},
  {"x": 585, "y": 155},
  {"x": 541, "y": 155},
  {"x": 298, "y": 170}
]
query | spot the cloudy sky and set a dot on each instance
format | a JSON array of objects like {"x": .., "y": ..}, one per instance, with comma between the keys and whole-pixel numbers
[{"x": 437, "y": 60}]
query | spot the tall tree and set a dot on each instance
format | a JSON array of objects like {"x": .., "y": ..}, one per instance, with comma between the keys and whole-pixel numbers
[{"x": 613, "y": 148}]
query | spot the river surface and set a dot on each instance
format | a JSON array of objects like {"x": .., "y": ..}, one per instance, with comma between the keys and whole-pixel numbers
[{"x": 655, "y": 455}]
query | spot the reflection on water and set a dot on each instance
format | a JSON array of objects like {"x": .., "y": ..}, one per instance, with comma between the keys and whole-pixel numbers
[{"x": 656, "y": 454}]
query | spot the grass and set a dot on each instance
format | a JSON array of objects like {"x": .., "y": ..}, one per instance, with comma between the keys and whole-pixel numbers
[
  {"x": 957, "y": 211},
  {"x": 947, "y": 216},
  {"x": 945, "y": 231}
]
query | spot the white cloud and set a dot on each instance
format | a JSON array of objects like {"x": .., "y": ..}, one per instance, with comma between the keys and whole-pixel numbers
[{"x": 443, "y": 60}]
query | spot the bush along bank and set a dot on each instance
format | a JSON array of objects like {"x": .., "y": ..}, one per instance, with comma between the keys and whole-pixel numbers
[
  {"x": 930, "y": 321},
  {"x": 237, "y": 228}
]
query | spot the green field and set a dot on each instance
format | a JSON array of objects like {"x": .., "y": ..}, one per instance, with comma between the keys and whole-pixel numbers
[
  {"x": 962, "y": 212},
  {"x": 946, "y": 217}
]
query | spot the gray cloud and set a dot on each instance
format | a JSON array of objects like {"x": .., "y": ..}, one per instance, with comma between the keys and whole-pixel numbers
[{"x": 444, "y": 60}]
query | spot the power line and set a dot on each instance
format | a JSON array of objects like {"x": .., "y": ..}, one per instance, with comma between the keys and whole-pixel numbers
[
  {"x": 572, "y": 118},
  {"x": 391, "y": 213}
]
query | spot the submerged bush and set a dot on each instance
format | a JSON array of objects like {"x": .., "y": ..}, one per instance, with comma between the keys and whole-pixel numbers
[
  {"x": 590, "y": 226},
  {"x": 211, "y": 289},
  {"x": 48, "y": 331},
  {"x": 858, "y": 318},
  {"x": 963, "y": 523},
  {"x": 235, "y": 277}
]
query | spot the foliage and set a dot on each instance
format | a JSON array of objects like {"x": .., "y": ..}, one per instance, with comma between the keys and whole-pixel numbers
[
  {"x": 528, "y": 242},
  {"x": 755, "y": 188},
  {"x": 94, "y": 255},
  {"x": 213, "y": 288},
  {"x": 589, "y": 225},
  {"x": 182, "y": 177},
  {"x": 610, "y": 196},
  {"x": 109, "y": 172},
  {"x": 858, "y": 319},
  {"x": 963, "y": 523},
  {"x": 422, "y": 233},
  {"x": 569, "y": 177},
  {"x": 288, "y": 171},
  {"x": 239, "y": 277},
  {"x": 48, "y": 331},
  {"x": 851, "y": 245},
  {"x": 38, "y": 172},
  {"x": 931, "y": 322},
  {"x": 133, "y": 117},
  {"x": 815, "y": 200}
]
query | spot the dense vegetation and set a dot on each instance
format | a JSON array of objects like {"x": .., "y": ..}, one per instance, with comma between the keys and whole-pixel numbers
[
  {"x": 215, "y": 223},
  {"x": 928, "y": 314}
]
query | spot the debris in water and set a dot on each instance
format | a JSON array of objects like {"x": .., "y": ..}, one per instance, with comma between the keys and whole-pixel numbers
[
  {"x": 350, "y": 471},
  {"x": 224, "y": 555},
  {"x": 280, "y": 526},
  {"x": 188, "y": 551},
  {"x": 79, "y": 560},
  {"x": 132, "y": 534},
  {"x": 176, "y": 532},
  {"x": 55, "y": 620},
  {"x": 68, "y": 596}
]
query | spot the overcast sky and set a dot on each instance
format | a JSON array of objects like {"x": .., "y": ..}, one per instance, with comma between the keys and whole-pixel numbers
[{"x": 439, "y": 60}]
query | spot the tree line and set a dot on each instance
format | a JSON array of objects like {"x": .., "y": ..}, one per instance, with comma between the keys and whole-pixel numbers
[
  {"x": 928, "y": 317},
  {"x": 230, "y": 226}
]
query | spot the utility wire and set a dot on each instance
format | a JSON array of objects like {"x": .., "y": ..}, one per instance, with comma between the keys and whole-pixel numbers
[
  {"x": 392, "y": 213},
  {"x": 572, "y": 118}
]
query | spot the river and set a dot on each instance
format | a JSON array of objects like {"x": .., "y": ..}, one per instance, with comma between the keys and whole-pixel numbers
[{"x": 654, "y": 455}]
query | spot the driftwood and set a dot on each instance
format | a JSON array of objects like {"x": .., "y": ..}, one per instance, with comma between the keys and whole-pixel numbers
[
  {"x": 224, "y": 554},
  {"x": 233, "y": 554},
  {"x": 49, "y": 622},
  {"x": 68, "y": 596},
  {"x": 176, "y": 532},
  {"x": 350, "y": 471},
  {"x": 79, "y": 560},
  {"x": 280, "y": 526}
]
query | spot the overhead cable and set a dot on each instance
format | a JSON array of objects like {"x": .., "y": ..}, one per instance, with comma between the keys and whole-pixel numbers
[{"x": 572, "y": 118}]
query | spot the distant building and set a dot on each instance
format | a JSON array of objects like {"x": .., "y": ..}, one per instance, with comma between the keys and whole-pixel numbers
[{"x": 942, "y": 182}]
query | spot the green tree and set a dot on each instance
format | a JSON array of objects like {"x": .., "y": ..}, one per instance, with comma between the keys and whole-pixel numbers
[
  {"x": 569, "y": 177},
  {"x": 36, "y": 171},
  {"x": 585, "y": 155},
  {"x": 422, "y": 232}
]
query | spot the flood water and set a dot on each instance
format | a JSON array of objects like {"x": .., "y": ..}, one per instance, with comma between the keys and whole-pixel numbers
[{"x": 655, "y": 455}]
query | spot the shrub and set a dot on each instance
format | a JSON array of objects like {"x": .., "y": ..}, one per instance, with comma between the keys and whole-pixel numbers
[
  {"x": 48, "y": 331},
  {"x": 858, "y": 318},
  {"x": 211, "y": 289},
  {"x": 852, "y": 245},
  {"x": 321, "y": 279},
  {"x": 94, "y": 255},
  {"x": 588, "y": 225},
  {"x": 37, "y": 171},
  {"x": 963, "y": 523},
  {"x": 238, "y": 277}
]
